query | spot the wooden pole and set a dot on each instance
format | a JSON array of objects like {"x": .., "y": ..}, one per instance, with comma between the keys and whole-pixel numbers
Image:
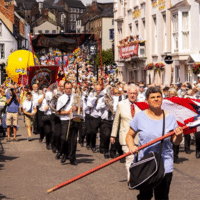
[{"x": 111, "y": 161}]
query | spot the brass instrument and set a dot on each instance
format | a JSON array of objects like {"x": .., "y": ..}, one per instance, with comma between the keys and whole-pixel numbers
[
  {"x": 77, "y": 102},
  {"x": 53, "y": 101},
  {"x": 109, "y": 100}
]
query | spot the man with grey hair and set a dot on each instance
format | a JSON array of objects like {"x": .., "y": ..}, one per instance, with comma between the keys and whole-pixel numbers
[{"x": 125, "y": 112}]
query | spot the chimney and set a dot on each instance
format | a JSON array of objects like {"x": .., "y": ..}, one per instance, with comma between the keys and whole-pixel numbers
[
  {"x": 40, "y": 5},
  {"x": 11, "y": 9}
]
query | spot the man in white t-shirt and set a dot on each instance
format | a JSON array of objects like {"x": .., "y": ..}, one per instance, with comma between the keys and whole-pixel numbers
[
  {"x": 29, "y": 110},
  {"x": 141, "y": 94}
]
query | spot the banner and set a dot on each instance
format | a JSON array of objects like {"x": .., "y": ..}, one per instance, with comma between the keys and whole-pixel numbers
[
  {"x": 128, "y": 51},
  {"x": 23, "y": 80},
  {"x": 65, "y": 61},
  {"x": 42, "y": 75},
  {"x": 57, "y": 60}
]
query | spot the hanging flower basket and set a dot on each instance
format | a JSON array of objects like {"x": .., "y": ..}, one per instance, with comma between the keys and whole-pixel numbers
[
  {"x": 149, "y": 66},
  {"x": 159, "y": 67},
  {"x": 196, "y": 68}
]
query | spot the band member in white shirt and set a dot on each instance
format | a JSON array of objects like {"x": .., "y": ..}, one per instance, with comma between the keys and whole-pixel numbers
[
  {"x": 40, "y": 104},
  {"x": 69, "y": 128},
  {"x": 29, "y": 110},
  {"x": 95, "y": 117}
]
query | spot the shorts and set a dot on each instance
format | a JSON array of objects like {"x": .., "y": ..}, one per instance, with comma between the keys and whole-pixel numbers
[
  {"x": 28, "y": 121},
  {"x": 11, "y": 119}
]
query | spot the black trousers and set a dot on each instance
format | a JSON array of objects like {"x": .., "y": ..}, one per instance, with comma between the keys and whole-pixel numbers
[
  {"x": 47, "y": 131},
  {"x": 187, "y": 139},
  {"x": 56, "y": 132},
  {"x": 68, "y": 147},
  {"x": 176, "y": 151},
  {"x": 88, "y": 129},
  {"x": 35, "y": 123},
  {"x": 197, "y": 136},
  {"x": 82, "y": 132},
  {"x": 95, "y": 123},
  {"x": 161, "y": 192},
  {"x": 106, "y": 129},
  {"x": 40, "y": 124}
]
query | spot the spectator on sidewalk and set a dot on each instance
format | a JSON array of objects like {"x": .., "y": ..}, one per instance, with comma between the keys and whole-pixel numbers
[{"x": 13, "y": 103}]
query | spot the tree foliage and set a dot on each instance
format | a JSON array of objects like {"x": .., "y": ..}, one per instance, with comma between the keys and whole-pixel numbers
[{"x": 107, "y": 57}]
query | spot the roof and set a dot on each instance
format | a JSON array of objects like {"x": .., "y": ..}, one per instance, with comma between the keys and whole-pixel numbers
[
  {"x": 28, "y": 5},
  {"x": 75, "y": 4},
  {"x": 183, "y": 3},
  {"x": 40, "y": 21},
  {"x": 193, "y": 58},
  {"x": 65, "y": 42}
]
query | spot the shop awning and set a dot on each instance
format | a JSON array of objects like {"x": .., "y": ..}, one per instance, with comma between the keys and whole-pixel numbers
[
  {"x": 193, "y": 58},
  {"x": 65, "y": 42}
]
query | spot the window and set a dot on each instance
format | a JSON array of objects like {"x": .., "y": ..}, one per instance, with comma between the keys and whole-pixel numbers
[
  {"x": 62, "y": 18},
  {"x": 77, "y": 10},
  {"x": 53, "y": 31},
  {"x": 111, "y": 34},
  {"x": 164, "y": 34},
  {"x": 130, "y": 29},
  {"x": 185, "y": 30},
  {"x": 81, "y": 10},
  {"x": 154, "y": 39},
  {"x": 46, "y": 31},
  {"x": 2, "y": 53},
  {"x": 74, "y": 17},
  {"x": 40, "y": 31},
  {"x": 0, "y": 29},
  {"x": 143, "y": 29},
  {"x": 74, "y": 9},
  {"x": 136, "y": 28},
  {"x": 113, "y": 21},
  {"x": 77, "y": 16},
  {"x": 71, "y": 17},
  {"x": 175, "y": 31},
  {"x": 71, "y": 9}
]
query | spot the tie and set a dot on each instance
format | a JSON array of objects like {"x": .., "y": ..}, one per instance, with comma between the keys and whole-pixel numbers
[
  {"x": 69, "y": 97},
  {"x": 109, "y": 115},
  {"x": 132, "y": 110}
]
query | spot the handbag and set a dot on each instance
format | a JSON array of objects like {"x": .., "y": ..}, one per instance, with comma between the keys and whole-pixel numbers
[{"x": 147, "y": 173}]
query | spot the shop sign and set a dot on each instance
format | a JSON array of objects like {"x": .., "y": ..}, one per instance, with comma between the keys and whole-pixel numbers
[{"x": 128, "y": 51}]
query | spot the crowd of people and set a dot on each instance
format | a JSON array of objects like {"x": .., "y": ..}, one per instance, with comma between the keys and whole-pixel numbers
[{"x": 67, "y": 113}]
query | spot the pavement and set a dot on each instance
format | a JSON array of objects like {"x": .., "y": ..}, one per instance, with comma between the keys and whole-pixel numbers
[{"x": 28, "y": 170}]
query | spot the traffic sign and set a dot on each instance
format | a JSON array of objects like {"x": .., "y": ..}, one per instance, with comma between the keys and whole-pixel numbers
[{"x": 168, "y": 60}]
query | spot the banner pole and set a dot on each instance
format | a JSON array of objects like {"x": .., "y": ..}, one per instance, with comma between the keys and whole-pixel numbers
[{"x": 111, "y": 161}]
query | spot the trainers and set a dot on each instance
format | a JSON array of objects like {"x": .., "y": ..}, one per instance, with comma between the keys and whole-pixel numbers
[
  {"x": 29, "y": 138},
  {"x": 8, "y": 140},
  {"x": 15, "y": 140}
]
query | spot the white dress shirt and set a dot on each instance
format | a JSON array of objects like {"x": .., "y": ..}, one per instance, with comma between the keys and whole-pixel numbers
[
  {"x": 62, "y": 100},
  {"x": 27, "y": 105},
  {"x": 93, "y": 107},
  {"x": 141, "y": 97}
]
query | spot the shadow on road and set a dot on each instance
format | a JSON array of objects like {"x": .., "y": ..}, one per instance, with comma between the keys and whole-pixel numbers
[
  {"x": 4, "y": 197},
  {"x": 83, "y": 155},
  {"x": 182, "y": 159},
  {"x": 3, "y": 158}
]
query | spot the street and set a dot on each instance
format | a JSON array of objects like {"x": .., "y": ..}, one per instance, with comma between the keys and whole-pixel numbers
[{"x": 28, "y": 170}]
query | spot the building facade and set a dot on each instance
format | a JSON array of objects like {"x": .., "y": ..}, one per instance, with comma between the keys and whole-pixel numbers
[{"x": 148, "y": 24}]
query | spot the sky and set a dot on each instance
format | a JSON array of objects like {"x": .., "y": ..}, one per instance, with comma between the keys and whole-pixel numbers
[{"x": 100, "y": 1}]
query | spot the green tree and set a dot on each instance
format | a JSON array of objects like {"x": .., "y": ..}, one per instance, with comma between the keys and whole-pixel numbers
[{"x": 106, "y": 56}]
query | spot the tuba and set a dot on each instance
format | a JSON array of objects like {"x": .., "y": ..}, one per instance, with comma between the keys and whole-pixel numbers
[{"x": 109, "y": 100}]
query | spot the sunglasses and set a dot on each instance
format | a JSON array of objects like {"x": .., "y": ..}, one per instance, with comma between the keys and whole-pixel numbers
[
  {"x": 125, "y": 91},
  {"x": 141, "y": 86}
]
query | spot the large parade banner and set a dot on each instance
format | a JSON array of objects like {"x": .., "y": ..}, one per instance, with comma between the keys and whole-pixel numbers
[
  {"x": 42, "y": 75},
  {"x": 128, "y": 51}
]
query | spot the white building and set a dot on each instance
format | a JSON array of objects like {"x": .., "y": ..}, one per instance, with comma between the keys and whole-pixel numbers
[
  {"x": 143, "y": 20},
  {"x": 8, "y": 42},
  {"x": 185, "y": 39}
]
